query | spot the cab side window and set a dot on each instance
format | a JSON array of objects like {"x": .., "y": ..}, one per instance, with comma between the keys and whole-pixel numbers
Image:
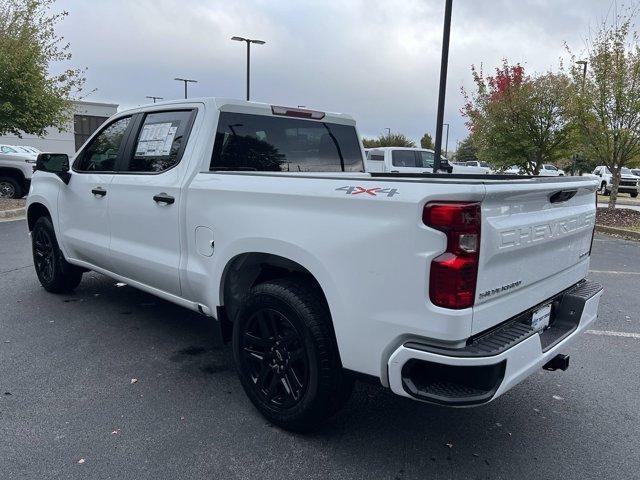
[
  {"x": 161, "y": 141},
  {"x": 403, "y": 158},
  {"x": 427, "y": 159},
  {"x": 101, "y": 154}
]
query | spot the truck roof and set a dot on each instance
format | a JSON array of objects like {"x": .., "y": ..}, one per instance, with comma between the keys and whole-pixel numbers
[{"x": 241, "y": 106}]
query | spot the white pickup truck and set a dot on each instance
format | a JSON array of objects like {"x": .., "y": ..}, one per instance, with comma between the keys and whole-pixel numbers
[
  {"x": 629, "y": 182},
  {"x": 444, "y": 289},
  {"x": 402, "y": 160},
  {"x": 16, "y": 169}
]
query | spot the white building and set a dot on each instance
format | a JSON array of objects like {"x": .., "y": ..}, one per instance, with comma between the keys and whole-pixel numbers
[{"x": 88, "y": 116}]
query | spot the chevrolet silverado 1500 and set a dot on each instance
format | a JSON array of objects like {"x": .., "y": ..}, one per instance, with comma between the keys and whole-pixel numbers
[{"x": 444, "y": 288}]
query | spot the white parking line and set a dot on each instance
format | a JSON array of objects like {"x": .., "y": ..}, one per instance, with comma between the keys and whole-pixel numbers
[
  {"x": 614, "y": 272},
  {"x": 609, "y": 333}
]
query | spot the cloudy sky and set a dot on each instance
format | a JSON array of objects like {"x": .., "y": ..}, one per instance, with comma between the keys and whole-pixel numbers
[{"x": 376, "y": 60}]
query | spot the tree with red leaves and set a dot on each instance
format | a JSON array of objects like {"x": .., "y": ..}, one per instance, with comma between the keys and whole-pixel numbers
[{"x": 518, "y": 120}]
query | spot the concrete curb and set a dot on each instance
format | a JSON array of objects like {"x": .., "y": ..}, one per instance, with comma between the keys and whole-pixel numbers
[
  {"x": 620, "y": 201},
  {"x": 628, "y": 234},
  {"x": 15, "y": 213}
]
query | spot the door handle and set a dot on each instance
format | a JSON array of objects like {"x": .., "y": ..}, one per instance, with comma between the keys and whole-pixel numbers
[
  {"x": 163, "y": 198},
  {"x": 99, "y": 191}
]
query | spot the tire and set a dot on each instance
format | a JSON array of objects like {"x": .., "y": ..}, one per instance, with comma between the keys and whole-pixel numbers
[
  {"x": 634, "y": 195},
  {"x": 55, "y": 274},
  {"x": 603, "y": 189},
  {"x": 10, "y": 188},
  {"x": 286, "y": 355}
]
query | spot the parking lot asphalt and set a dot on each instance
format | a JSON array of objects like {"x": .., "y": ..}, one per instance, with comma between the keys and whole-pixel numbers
[{"x": 113, "y": 383}]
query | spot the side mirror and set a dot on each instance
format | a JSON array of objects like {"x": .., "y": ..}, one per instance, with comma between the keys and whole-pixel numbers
[{"x": 57, "y": 163}]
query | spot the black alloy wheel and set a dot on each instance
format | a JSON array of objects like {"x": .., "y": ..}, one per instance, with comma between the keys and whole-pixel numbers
[
  {"x": 273, "y": 352},
  {"x": 44, "y": 255},
  {"x": 56, "y": 275},
  {"x": 286, "y": 353}
]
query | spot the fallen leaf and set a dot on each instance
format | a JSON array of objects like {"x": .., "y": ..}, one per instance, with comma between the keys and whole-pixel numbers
[
  {"x": 120, "y": 284},
  {"x": 450, "y": 445},
  {"x": 498, "y": 424},
  {"x": 81, "y": 461},
  {"x": 557, "y": 397},
  {"x": 116, "y": 431},
  {"x": 134, "y": 380}
]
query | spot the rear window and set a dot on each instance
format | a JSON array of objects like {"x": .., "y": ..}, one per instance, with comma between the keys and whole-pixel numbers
[{"x": 273, "y": 144}]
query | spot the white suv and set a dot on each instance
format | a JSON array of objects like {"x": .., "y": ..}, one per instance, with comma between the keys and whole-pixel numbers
[{"x": 629, "y": 183}]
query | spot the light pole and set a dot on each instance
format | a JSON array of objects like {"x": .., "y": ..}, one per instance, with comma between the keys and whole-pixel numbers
[
  {"x": 154, "y": 98},
  {"x": 248, "y": 41},
  {"x": 444, "y": 61},
  {"x": 186, "y": 81},
  {"x": 584, "y": 70},
  {"x": 446, "y": 142}
]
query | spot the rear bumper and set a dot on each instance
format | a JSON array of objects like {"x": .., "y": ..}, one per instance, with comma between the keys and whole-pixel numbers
[{"x": 493, "y": 361}]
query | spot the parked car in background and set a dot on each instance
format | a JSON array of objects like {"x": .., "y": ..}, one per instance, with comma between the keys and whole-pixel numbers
[
  {"x": 512, "y": 170},
  {"x": 410, "y": 160},
  {"x": 484, "y": 165},
  {"x": 444, "y": 290},
  {"x": 402, "y": 160},
  {"x": 16, "y": 170},
  {"x": 629, "y": 183},
  {"x": 548, "y": 170},
  {"x": 33, "y": 150}
]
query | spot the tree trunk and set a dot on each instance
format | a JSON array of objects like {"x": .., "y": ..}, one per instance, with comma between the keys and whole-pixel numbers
[{"x": 615, "y": 182}]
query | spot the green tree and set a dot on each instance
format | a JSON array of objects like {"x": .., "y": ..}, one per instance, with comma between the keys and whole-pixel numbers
[
  {"x": 389, "y": 140},
  {"x": 519, "y": 120},
  {"x": 31, "y": 98},
  {"x": 467, "y": 151},
  {"x": 426, "y": 142},
  {"x": 606, "y": 106}
]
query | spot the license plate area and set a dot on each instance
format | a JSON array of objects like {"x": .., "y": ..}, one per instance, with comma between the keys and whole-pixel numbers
[{"x": 541, "y": 317}]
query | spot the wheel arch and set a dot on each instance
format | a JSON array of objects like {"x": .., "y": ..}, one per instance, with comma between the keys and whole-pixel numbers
[
  {"x": 245, "y": 270},
  {"x": 14, "y": 173},
  {"x": 34, "y": 212}
]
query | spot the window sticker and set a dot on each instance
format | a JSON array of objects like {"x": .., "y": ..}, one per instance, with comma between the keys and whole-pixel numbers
[{"x": 156, "y": 140}]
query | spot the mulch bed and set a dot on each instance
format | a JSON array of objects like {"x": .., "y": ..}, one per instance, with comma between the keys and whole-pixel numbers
[
  {"x": 618, "y": 217},
  {"x": 11, "y": 204}
]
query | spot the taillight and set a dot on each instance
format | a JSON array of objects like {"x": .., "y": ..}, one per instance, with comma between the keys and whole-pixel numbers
[{"x": 453, "y": 278}]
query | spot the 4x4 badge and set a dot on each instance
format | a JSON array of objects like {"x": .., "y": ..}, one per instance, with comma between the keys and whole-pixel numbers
[{"x": 374, "y": 191}]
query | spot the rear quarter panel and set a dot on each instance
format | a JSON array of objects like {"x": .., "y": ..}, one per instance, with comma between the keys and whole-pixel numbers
[{"x": 370, "y": 253}]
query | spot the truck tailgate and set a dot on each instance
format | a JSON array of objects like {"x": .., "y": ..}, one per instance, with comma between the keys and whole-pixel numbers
[{"x": 535, "y": 242}]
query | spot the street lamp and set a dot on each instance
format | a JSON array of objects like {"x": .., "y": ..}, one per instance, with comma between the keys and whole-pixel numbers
[
  {"x": 446, "y": 142},
  {"x": 186, "y": 81},
  {"x": 444, "y": 61},
  {"x": 154, "y": 98},
  {"x": 584, "y": 70},
  {"x": 248, "y": 41}
]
